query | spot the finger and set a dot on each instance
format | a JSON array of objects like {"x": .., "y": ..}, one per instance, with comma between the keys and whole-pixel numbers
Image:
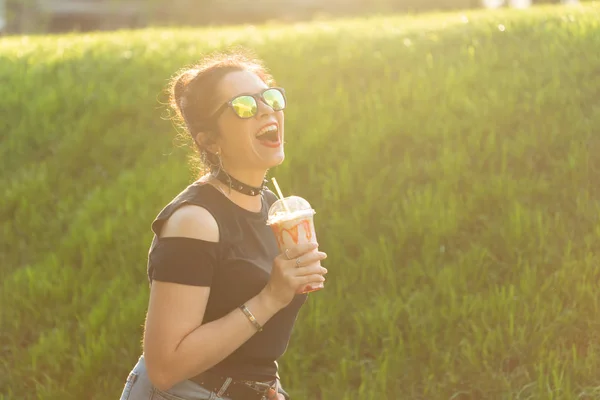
[
  {"x": 310, "y": 270},
  {"x": 311, "y": 278},
  {"x": 299, "y": 250},
  {"x": 308, "y": 259},
  {"x": 286, "y": 253}
]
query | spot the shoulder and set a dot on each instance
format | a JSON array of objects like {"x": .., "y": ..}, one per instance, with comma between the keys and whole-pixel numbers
[
  {"x": 191, "y": 221},
  {"x": 270, "y": 197}
]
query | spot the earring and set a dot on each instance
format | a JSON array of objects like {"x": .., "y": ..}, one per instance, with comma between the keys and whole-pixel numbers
[
  {"x": 221, "y": 169},
  {"x": 206, "y": 161},
  {"x": 215, "y": 168},
  {"x": 220, "y": 161}
]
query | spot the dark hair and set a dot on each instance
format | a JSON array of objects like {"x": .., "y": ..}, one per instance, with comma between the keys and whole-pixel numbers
[{"x": 192, "y": 93}]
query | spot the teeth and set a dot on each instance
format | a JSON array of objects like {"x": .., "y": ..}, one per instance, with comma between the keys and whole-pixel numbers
[{"x": 267, "y": 129}]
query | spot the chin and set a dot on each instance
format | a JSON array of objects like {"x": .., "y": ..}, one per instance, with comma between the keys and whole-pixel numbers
[{"x": 278, "y": 160}]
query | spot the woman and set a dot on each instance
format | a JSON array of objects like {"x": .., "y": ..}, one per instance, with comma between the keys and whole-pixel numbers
[{"x": 222, "y": 299}]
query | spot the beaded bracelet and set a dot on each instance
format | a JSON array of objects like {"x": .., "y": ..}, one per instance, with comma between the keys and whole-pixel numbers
[{"x": 251, "y": 317}]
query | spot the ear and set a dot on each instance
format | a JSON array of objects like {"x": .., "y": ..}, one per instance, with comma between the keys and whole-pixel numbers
[{"x": 206, "y": 141}]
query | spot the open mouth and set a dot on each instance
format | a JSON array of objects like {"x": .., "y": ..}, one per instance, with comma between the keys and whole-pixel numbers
[{"x": 269, "y": 135}]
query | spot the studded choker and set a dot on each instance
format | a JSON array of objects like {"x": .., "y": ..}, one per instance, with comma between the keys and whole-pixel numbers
[{"x": 239, "y": 186}]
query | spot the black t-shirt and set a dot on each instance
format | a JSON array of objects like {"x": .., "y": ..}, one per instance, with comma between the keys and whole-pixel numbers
[{"x": 236, "y": 268}]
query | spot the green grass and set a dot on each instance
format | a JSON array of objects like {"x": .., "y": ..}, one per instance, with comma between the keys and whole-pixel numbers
[{"x": 453, "y": 164}]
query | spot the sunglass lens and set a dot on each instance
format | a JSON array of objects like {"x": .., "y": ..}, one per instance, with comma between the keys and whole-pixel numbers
[
  {"x": 244, "y": 106},
  {"x": 274, "y": 99}
]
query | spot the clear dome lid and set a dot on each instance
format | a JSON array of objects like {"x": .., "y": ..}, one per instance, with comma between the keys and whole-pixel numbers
[{"x": 289, "y": 208}]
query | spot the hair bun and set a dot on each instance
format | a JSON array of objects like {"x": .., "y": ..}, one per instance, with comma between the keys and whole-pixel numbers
[{"x": 181, "y": 85}]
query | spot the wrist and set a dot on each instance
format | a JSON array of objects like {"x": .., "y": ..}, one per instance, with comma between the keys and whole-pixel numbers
[{"x": 269, "y": 302}]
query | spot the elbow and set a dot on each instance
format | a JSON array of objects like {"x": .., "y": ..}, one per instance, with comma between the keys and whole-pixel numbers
[
  {"x": 163, "y": 387},
  {"x": 161, "y": 383},
  {"x": 159, "y": 375}
]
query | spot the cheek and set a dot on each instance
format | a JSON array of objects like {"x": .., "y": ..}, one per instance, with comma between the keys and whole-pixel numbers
[{"x": 236, "y": 134}]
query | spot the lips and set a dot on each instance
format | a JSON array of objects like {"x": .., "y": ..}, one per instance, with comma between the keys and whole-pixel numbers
[
  {"x": 271, "y": 143},
  {"x": 269, "y": 135},
  {"x": 267, "y": 127}
]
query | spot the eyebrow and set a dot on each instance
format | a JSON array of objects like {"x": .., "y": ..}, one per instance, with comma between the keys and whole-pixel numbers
[{"x": 250, "y": 93}]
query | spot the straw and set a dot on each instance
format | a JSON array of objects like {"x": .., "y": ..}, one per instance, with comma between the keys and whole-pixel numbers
[{"x": 280, "y": 194}]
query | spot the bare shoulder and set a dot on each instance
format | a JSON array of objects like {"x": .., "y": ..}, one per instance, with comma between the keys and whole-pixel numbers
[{"x": 193, "y": 222}]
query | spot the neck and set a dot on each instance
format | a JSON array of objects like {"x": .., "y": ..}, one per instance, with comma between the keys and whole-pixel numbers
[
  {"x": 249, "y": 177},
  {"x": 253, "y": 178}
]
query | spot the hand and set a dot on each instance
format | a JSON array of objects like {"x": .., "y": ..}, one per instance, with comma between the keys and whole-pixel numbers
[
  {"x": 290, "y": 274},
  {"x": 277, "y": 396}
]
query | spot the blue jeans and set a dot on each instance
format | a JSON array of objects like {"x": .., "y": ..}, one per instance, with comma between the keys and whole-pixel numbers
[{"x": 139, "y": 387}]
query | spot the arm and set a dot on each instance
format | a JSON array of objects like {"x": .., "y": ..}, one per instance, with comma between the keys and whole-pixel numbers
[
  {"x": 176, "y": 347},
  {"x": 176, "y": 344}
]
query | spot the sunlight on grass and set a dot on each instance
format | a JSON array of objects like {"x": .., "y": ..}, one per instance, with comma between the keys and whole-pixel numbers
[{"x": 452, "y": 165}]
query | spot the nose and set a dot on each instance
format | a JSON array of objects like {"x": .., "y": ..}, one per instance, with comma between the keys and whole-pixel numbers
[{"x": 263, "y": 108}]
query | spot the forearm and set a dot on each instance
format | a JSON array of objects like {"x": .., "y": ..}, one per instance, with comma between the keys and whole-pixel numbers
[{"x": 210, "y": 343}]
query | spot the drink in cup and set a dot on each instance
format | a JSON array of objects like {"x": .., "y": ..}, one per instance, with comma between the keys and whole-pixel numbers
[{"x": 291, "y": 220}]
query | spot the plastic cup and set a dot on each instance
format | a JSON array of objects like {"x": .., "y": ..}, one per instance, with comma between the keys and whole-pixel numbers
[{"x": 292, "y": 223}]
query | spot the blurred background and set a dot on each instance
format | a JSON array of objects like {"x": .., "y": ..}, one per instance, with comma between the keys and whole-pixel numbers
[
  {"x": 452, "y": 159},
  {"x": 48, "y": 16}
]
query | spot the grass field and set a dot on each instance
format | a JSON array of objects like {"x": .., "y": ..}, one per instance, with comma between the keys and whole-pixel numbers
[{"x": 453, "y": 160}]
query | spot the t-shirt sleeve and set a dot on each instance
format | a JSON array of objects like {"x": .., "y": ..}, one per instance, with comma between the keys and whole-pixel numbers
[{"x": 184, "y": 260}]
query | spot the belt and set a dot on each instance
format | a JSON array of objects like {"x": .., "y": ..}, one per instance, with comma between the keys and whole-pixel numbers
[{"x": 236, "y": 389}]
